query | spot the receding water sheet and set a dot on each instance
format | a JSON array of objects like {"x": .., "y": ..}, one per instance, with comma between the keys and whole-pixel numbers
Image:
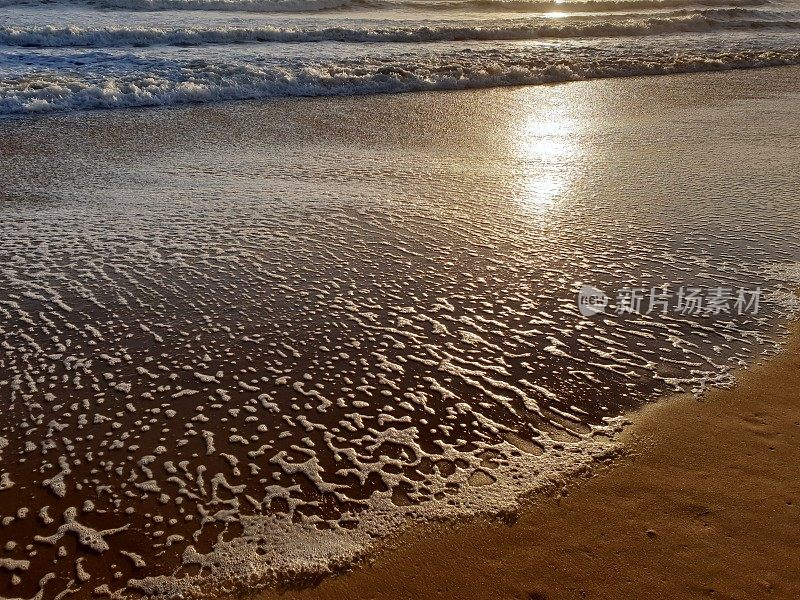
[{"x": 240, "y": 343}]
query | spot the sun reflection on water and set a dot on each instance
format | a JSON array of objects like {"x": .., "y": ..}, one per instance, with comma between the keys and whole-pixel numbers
[{"x": 546, "y": 148}]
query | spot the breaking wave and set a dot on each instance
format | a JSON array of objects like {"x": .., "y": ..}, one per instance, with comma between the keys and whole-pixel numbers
[
  {"x": 92, "y": 37},
  {"x": 201, "y": 82}
]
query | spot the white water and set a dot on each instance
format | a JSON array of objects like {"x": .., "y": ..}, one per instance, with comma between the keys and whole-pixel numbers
[{"x": 117, "y": 53}]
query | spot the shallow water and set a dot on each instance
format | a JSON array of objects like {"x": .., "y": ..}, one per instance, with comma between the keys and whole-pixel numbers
[{"x": 242, "y": 341}]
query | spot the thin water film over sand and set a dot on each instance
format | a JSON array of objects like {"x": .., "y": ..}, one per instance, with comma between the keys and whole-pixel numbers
[{"x": 240, "y": 343}]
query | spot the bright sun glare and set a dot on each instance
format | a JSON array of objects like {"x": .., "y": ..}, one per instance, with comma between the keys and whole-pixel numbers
[{"x": 546, "y": 148}]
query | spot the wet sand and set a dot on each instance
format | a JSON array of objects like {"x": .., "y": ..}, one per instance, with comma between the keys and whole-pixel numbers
[
  {"x": 241, "y": 343},
  {"x": 706, "y": 504}
]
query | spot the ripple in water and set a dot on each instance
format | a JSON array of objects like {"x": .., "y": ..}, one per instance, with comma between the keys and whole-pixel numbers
[{"x": 275, "y": 336}]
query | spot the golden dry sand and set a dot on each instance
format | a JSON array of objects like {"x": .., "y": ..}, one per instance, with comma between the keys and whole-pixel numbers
[{"x": 706, "y": 505}]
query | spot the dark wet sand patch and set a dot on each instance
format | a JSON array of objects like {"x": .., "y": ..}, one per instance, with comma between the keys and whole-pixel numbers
[{"x": 706, "y": 505}]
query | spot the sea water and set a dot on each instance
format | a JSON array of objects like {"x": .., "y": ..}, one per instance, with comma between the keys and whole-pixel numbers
[
  {"x": 241, "y": 342},
  {"x": 83, "y": 54}
]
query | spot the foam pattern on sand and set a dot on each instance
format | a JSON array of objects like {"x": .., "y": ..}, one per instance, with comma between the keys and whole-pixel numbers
[{"x": 237, "y": 358}]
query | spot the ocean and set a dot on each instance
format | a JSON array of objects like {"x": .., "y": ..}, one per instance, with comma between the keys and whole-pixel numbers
[
  {"x": 241, "y": 343},
  {"x": 77, "y": 55}
]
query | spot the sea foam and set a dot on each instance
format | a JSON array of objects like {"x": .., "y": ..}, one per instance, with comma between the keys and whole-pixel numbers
[
  {"x": 219, "y": 82},
  {"x": 109, "y": 37}
]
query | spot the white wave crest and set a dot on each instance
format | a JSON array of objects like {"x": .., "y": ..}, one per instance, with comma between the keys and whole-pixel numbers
[
  {"x": 213, "y": 83},
  {"x": 105, "y": 37}
]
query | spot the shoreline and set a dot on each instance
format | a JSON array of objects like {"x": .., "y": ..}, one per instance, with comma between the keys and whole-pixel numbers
[
  {"x": 703, "y": 502},
  {"x": 71, "y": 113}
]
